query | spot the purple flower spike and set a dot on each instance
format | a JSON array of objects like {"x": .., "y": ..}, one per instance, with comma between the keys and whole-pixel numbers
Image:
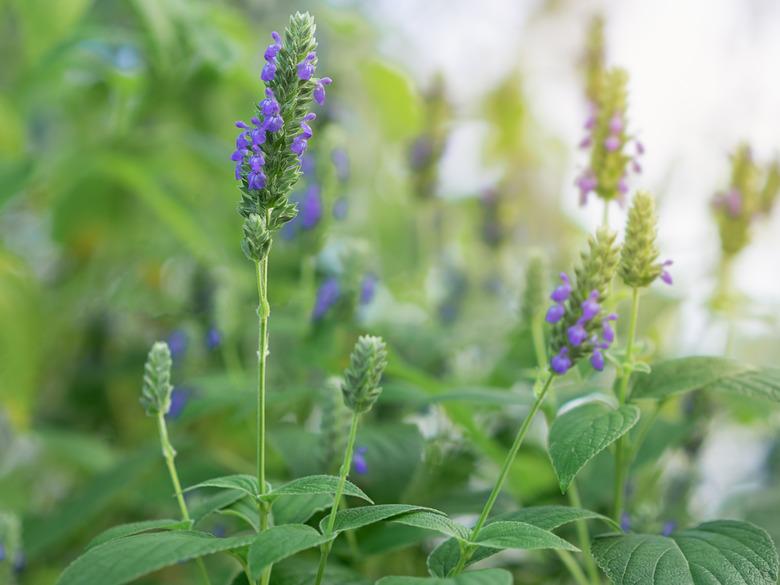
[
  {"x": 560, "y": 362},
  {"x": 319, "y": 89},
  {"x": 612, "y": 143},
  {"x": 562, "y": 292},
  {"x": 555, "y": 313},
  {"x": 597, "y": 360},
  {"x": 665, "y": 274},
  {"x": 576, "y": 333},
  {"x": 306, "y": 67},
  {"x": 359, "y": 464},
  {"x": 590, "y": 306}
]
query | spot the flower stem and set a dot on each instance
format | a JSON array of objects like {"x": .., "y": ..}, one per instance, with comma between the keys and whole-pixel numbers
[
  {"x": 584, "y": 537},
  {"x": 464, "y": 557},
  {"x": 345, "y": 467},
  {"x": 605, "y": 216},
  {"x": 169, "y": 453},
  {"x": 621, "y": 461}
]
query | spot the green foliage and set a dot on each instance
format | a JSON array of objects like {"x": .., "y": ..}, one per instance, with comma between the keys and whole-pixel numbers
[
  {"x": 353, "y": 518},
  {"x": 157, "y": 387},
  {"x": 241, "y": 481},
  {"x": 367, "y": 362},
  {"x": 683, "y": 375},
  {"x": 724, "y": 551},
  {"x": 484, "y": 577},
  {"x": 639, "y": 265},
  {"x": 280, "y": 542},
  {"x": 581, "y": 433},
  {"x": 315, "y": 484},
  {"x": 257, "y": 238},
  {"x": 124, "y": 530}
]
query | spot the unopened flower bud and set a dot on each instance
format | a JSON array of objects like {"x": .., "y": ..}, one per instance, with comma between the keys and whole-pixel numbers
[
  {"x": 367, "y": 362},
  {"x": 157, "y": 388}
]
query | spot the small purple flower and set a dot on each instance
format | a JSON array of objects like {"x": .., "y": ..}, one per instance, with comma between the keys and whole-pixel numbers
[
  {"x": 256, "y": 180},
  {"x": 612, "y": 143},
  {"x": 576, "y": 334},
  {"x": 311, "y": 208},
  {"x": 616, "y": 124},
  {"x": 625, "y": 522},
  {"x": 359, "y": 463},
  {"x": 179, "y": 399},
  {"x": 586, "y": 183},
  {"x": 273, "y": 124},
  {"x": 301, "y": 141},
  {"x": 623, "y": 185},
  {"x": 640, "y": 148},
  {"x": 585, "y": 143},
  {"x": 562, "y": 292},
  {"x": 590, "y": 306},
  {"x": 669, "y": 527},
  {"x": 269, "y": 106},
  {"x": 341, "y": 162},
  {"x": 319, "y": 89},
  {"x": 213, "y": 338},
  {"x": 306, "y": 67},
  {"x": 327, "y": 296},
  {"x": 555, "y": 313},
  {"x": 665, "y": 274},
  {"x": 608, "y": 334},
  {"x": 177, "y": 342},
  {"x": 368, "y": 288},
  {"x": 269, "y": 70},
  {"x": 2, "y": 552},
  {"x": 597, "y": 360},
  {"x": 561, "y": 362}
]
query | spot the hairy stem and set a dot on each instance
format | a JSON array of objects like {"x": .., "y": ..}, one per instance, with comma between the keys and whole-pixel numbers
[
  {"x": 169, "y": 453},
  {"x": 345, "y": 467},
  {"x": 584, "y": 537},
  {"x": 464, "y": 558},
  {"x": 621, "y": 460}
]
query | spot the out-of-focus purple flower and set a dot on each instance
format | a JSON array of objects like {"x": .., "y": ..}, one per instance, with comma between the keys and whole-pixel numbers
[
  {"x": 306, "y": 67},
  {"x": 340, "y": 160},
  {"x": 669, "y": 527},
  {"x": 555, "y": 313},
  {"x": 179, "y": 399},
  {"x": 327, "y": 296},
  {"x": 308, "y": 165},
  {"x": 2, "y": 552},
  {"x": 319, "y": 89},
  {"x": 616, "y": 124},
  {"x": 731, "y": 202},
  {"x": 608, "y": 334},
  {"x": 340, "y": 208},
  {"x": 597, "y": 360},
  {"x": 420, "y": 153},
  {"x": 177, "y": 342},
  {"x": 310, "y": 207},
  {"x": 562, "y": 291},
  {"x": 625, "y": 522},
  {"x": 368, "y": 288},
  {"x": 301, "y": 141},
  {"x": 213, "y": 338},
  {"x": 359, "y": 464},
  {"x": 612, "y": 143},
  {"x": 269, "y": 69},
  {"x": 590, "y": 306},
  {"x": 561, "y": 362},
  {"x": 586, "y": 183},
  {"x": 576, "y": 334},
  {"x": 665, "y": 274}
]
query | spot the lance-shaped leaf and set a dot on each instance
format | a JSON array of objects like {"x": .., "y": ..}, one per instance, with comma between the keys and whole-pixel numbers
[
  {"x": 682, "y": 375},
  {"x": 485, "y": 577},
  {"x": 124, "y": 530},
  {"x": 354, "y": 518},
  {"x": 509, "y": 534},
  {"x": 721, "y": 552},
  {"x": 123, "y": 560},
  {"x": 240, "y": 481},
  {"x": 434, "y": 521},
  {"x": 581, "y": 433},
  {"x": 280, "y": 542},
  {"x": 315, "y": 484}
]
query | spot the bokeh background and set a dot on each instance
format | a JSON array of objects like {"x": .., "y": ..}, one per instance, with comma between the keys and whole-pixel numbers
[{"x": 445, "y": 158}]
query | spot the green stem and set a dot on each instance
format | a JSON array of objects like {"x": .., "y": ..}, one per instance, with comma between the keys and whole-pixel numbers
[
  {"x": 605, "y": 216},
  {"x": 345, "y": 467},
  {"x": 584, "y": 537},
  {"x": 503, "y": 474},
  {"x": 169, "y": 453},
  {"x": 621, "y": 461},
  {"x": 574, "y": 568}
]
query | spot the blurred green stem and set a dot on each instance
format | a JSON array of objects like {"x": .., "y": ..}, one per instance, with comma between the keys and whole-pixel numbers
[
  {"x": 169, "y": 453},
  {"x": 621, "y": 461},
  {"x": 584, "y": 536},
  {"x": 345, "y": 467},
  {"x": 466, "y": 554}
]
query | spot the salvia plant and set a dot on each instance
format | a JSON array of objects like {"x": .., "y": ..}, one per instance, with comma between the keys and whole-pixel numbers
[{"x": 574, "y": 330}]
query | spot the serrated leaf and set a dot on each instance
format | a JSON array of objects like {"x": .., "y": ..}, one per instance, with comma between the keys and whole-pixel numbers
[
  {"x": 509, "y": 534},
  {"x": 125, "y": 559},
  {"x": 214, "y": 503},
  {"x": 721, "y": 552},
  {"x": 580, "y": 434},
  {"x": 132, "y": 528},
  {"x": 298, "y": 509},
  {"x": 708, "y": 373},
  {"x": 240, "y": 481},
  {"x": 484, "y": 577},
  {"x": 434, "y": 521},
  {"x": 280, "y": 542},
  {"x": 354, "y": 518},
  {"x": 316, "y": 484}
]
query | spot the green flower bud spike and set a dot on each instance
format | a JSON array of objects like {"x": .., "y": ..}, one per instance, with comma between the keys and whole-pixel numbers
[
  {"x": 361, "y": 390},
  {"x": 257, "y": 239},
  {"x": 639, "y": 266},
  {"x": 156, "y": 400},
  {"x": 156, "y": 389},
  {"x": 361, "y": 379},
  {"x": 334, "y": 424},
  {"x": 594, "y": 58}
]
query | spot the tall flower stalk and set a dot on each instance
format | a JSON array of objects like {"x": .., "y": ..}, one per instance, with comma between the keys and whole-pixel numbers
[
  {"x": 267, "y": 166},
  {"x": 577, "y": 308},
  {"x": 156, "y": 400},
  {"x": 639, "y": 268},
  {"x": 360, "y": 390}
]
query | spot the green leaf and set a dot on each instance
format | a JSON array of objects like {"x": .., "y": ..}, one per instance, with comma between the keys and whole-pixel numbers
[
  {"x": 316, "y": 484},
  {"x": 124, "y": 559},
  {"x": 485, "y": 577},
  {"x": 280, "y": 542},
  {"x": 708, "y": 373},
  {"x": 298, "y": 509},
  {"x": 214, "y": 503},
  {"x": 509, "y": 534},
  {"x": 721, "y": 552},
  {"x": 354, "y": 518},
  {"x": 581, "y": 433},
  {"x": 136, "y": 528},
  {"x": 241, "y": 481},
  {"x": 434, "y": 521}
]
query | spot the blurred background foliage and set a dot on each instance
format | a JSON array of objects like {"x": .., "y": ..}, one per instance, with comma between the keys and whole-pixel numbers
[{"x": 118, "y": 226}]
